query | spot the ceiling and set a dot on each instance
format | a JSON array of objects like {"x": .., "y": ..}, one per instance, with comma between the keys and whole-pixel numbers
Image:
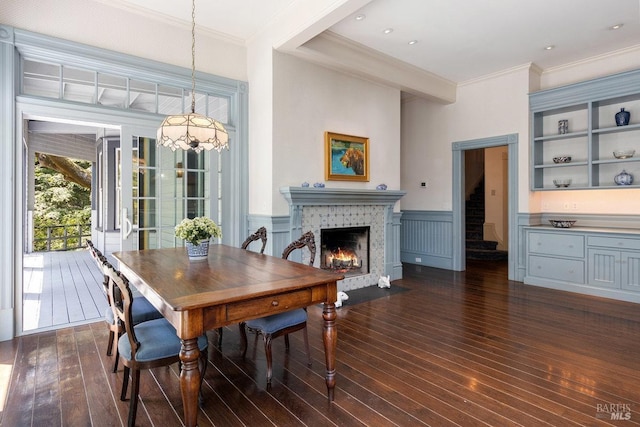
[{"x": 456, "y": 40}]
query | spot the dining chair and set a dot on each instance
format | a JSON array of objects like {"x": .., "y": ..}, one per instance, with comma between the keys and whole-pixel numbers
[
  {"x": 142, "y": 309},
  {"x": 285, "y": 323},
  {"x": 146, "y": 345},
  {"x": 260, "y": 234}
]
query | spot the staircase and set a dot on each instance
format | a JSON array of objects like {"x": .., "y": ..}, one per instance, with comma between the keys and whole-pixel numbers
[{"x": 476, "y": 247}]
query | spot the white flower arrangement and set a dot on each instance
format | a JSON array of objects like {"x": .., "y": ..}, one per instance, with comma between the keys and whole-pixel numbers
[{"x": 197, "y": 229}]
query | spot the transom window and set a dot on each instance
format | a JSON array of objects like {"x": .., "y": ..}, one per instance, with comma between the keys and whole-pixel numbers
[{"x": 93, "y": 87}]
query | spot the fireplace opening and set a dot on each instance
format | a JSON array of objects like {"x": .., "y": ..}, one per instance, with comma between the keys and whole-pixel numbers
[{"x": 345, "y": 250}]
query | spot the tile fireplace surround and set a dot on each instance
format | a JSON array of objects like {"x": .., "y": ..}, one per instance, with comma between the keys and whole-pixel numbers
[{"x": 313, "y": 209}]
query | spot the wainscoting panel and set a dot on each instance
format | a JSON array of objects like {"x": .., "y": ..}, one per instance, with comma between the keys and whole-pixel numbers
[
  {"x": 277, "y": 232},
  {"x": 426, "y": 238}
]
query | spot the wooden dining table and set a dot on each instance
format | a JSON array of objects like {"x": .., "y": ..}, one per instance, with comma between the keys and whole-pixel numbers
[{"x": 232, "y": 285}]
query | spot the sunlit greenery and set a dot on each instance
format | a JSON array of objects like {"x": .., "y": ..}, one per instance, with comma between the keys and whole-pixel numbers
[{"x": 59, "y": 203}]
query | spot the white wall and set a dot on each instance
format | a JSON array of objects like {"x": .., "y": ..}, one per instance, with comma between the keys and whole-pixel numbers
[
  {"x": 110, "y": 27},
  {"x": 309, "y": 100},
  {"x": 260, "y": 72},
  {"x": 600, "y": 66},
  {"x": 496, "y": 105}
]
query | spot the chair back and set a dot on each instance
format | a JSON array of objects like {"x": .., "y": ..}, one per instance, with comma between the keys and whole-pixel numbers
[
  {"x": 306, "y": 240},
  {"x": 121, "y": 301},
  {"x": 261, "y": 234},
  {"x": 103, "y": 264}
]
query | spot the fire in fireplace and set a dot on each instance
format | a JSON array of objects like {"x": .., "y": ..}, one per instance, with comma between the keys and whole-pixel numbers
[{"x": 345, "y": 250}]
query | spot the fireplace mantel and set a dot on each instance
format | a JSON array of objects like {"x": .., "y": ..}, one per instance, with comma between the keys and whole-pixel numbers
[
  {"x": 313, "y": 209},
  {"x": 339, "y": 196}
]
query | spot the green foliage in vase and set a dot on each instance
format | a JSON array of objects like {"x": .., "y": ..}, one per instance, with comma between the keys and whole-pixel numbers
[{"x": 197, "y": 229}]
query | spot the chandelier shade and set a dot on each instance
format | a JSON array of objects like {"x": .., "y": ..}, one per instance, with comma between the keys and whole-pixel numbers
[{"x": 192, "y": 131}]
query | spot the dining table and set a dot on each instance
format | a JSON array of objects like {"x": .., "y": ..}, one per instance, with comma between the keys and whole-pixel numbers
[{"x": 230, "y": 286}]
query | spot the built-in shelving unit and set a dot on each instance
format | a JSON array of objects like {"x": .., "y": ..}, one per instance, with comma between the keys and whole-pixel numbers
[{"x": 590, "y": 108}]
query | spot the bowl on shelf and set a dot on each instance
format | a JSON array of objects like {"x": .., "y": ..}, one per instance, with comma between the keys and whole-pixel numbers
[
  {"x": 562, "y": 159},
  {"x": 562, "y": 182},
  {"x": 624, "y": 154},
  {"x": 562, "y": 223}
]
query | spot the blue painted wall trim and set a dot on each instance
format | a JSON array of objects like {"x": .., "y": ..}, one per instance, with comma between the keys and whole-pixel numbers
[{"x": 426, "y": 238}]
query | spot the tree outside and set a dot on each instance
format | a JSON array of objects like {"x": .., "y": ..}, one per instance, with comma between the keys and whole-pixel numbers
[{"x": 62, "y": 202}]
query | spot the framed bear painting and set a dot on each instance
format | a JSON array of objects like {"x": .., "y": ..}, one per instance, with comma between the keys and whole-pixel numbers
[{"x": 346, "y": 157}]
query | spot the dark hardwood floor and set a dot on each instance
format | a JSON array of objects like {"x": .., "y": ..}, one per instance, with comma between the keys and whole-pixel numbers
[{"x": 457, "y": 348}]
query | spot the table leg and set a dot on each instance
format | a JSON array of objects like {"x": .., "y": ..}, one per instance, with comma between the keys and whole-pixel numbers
[
  {"x": 330, "y": 339},
  {"x": 190, "y": 380}
]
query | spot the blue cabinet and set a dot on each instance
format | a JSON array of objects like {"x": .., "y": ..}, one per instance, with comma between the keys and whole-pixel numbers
[{"x": 595, "y": 261}]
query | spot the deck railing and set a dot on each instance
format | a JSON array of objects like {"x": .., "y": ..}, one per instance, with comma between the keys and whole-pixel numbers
[{"x": 61, "y": 237}]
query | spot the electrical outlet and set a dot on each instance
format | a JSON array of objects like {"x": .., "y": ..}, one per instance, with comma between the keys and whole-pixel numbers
[
  {"x": 566, "y": 206},
  {"x": 424, "y": 184},
  {"x": 418, "y": 259},
  {"x": 575, "y": 206}
]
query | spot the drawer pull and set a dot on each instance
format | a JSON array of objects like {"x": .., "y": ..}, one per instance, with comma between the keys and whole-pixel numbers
[{"x": 274, "y": 303}]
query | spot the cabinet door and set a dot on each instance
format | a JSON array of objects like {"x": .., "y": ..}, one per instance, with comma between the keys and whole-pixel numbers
[
  {"x": 604, "y": 268},
  {"x": 630, "y": 277}
]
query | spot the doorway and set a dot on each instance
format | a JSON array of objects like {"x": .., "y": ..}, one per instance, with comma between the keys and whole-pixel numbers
[
  {"x": 139, "y": 193},
  {"x": 458, "y": 196},
  {"x": 60, "y": 286}
]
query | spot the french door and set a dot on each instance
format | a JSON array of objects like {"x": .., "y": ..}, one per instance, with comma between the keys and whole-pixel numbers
[{"x": 156, "y": 188}]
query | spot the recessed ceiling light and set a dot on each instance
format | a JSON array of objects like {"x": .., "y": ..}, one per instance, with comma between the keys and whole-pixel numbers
[
  {"x": 412, "y": 42},
  {"x": 616, "y": 27},
  {"x": 549, "y": 47},
  {"x": 388, "y": 30},
  {"x": 360, "y": 17}
]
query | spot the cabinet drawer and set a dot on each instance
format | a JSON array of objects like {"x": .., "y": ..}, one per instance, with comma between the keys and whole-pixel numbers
[
  {"x": 260, "y": 307},
  {"x": 565, "y": 270},
  {"x": 614, "y": 242},
  {"x": 557, "y": 244}
]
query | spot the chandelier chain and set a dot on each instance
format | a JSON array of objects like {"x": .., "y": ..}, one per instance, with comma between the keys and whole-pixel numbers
[{"x": 193, "y": 56}]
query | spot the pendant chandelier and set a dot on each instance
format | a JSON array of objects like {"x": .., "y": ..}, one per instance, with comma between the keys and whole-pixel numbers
[{"x": 192, "y": 131}]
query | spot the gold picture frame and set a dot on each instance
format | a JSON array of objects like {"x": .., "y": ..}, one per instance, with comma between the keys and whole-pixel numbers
[{"x": 346, "y": 157}]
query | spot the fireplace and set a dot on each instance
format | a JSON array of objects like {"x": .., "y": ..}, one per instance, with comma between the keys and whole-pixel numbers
[
  {"x": 345, "y": 250},
  {"x": 320, "y": 209}
]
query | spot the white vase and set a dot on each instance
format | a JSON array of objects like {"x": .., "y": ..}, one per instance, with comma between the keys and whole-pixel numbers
[{"x": 198, "y": 252}]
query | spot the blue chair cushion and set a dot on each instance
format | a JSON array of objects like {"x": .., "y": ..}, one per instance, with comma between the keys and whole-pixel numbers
[
  {"x": 157, "y": 340},
  {"x": 141, "y": 310},
  {"x": 276, "y": 322}
]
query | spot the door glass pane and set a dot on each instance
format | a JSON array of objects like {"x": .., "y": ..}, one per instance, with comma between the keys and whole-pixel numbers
[
  {"x": 147, "y": 152},
  {"x": 196, "y": 187},
  {"x": 195, "y": 208},
  {"x": 146, "y": 183},
  {"x": 146, "y": 213},
  {"x": 147, "y": 239}
]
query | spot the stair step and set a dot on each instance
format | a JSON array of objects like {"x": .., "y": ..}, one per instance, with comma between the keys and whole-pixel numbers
[
  {"x": 481, "y": 244},
  {"x": 482, "y": 254}
]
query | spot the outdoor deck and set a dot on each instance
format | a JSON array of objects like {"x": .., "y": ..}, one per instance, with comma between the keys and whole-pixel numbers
[{"x": 61, "y": 289}]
